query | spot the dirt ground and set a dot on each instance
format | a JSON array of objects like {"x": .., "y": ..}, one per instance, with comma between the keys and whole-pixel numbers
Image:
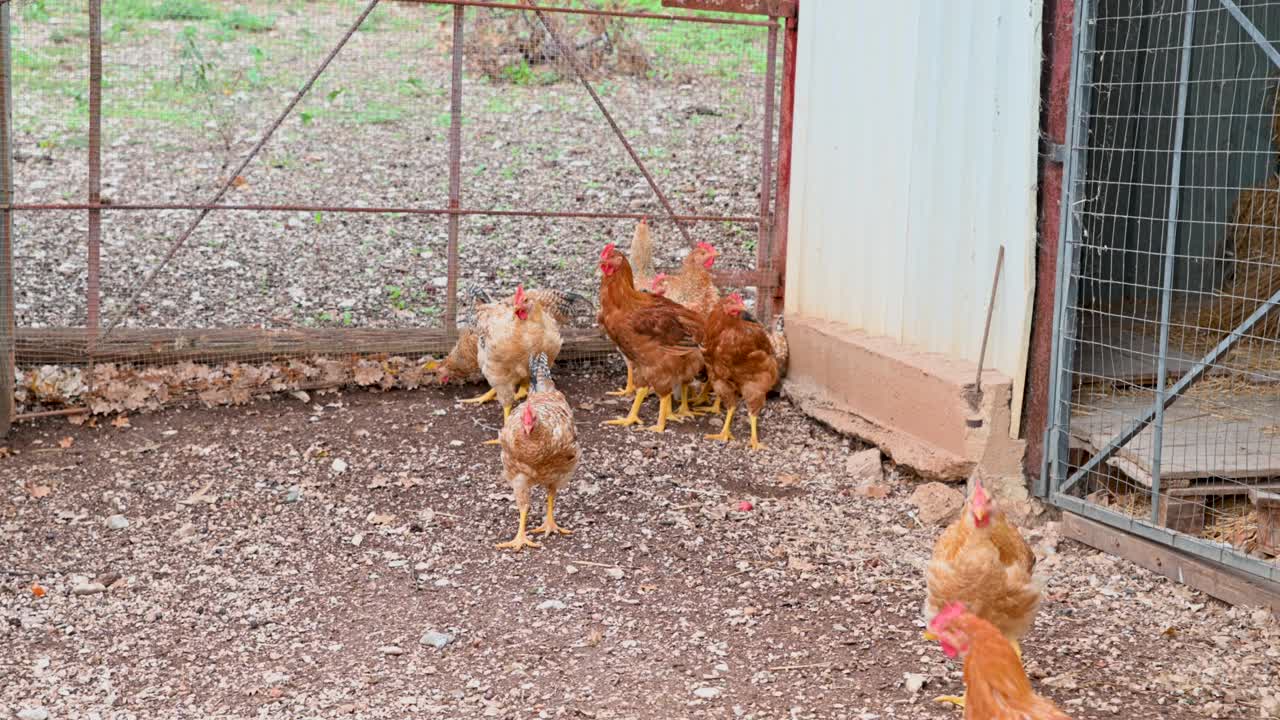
[{"x": 300, "y": 559}]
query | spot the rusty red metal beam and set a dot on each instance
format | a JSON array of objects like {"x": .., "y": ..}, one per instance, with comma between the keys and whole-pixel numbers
[
  {"x": 772, "y": 8},
  {"x": 455, "y": 171},
  {"x": 592, "y": 11},
  {"x": 782, "y": 214},
  {"x": 568, "y": 214}
]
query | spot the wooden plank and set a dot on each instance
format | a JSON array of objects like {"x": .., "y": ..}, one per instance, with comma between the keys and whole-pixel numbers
[
  {"x": 772, "y": 8},
  {"x": 1221, "y": 583},
  {"x": 52, "y": 346},
  {"x": 1230, "y": 436},
  {"x": 1221, "y": 490}
]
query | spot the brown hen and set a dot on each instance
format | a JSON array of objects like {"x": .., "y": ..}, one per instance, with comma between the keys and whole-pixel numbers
[{"x": 740, "y": 363}]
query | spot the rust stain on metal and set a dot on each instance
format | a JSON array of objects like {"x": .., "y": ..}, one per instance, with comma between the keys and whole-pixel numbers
[{"x": 772, "y": 8}]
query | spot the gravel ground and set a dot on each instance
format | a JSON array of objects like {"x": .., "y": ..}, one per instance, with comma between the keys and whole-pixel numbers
[
  {"x": 305, "y": 560},
  {"x": 373, "y": 132}
]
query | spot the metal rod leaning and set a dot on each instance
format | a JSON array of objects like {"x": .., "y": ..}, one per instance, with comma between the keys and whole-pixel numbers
[
  {"x": 1170, "y": 254},
  {"x": 455, "y": 171},
  {"x": 7, "y": 325}
]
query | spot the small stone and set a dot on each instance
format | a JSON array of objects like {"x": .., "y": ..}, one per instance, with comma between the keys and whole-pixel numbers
[
  {"x": 294, "y": 495},
  {"x": 186, "y": 531},
  {"x": 117, "y": 522},
  {"x": 914, "y": 681},
  {"x": 708, "y": 693},
  {"x": 937, "y": 504},
  {"x": 456, "y": 443},
  {"x": 91, "y": 588},
  {"x": 864, "y": 467},
  {"x": 33, "y": 714},
  {"x": 571, "y": 569},
  {"x": 339, "y": 466},
  {"x": 436, "y": 639},
  {"x": 391, "y": 650},
  {"x": 615, "y": 573},
  {"x": 551, "y": 605}
]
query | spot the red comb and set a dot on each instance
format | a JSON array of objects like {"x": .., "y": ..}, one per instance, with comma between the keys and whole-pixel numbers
[
  {"x": 950, "y": 612},
  {"x": 519, "y": 294},
  {"x": 979, "y": 492},
  {"x": 735, "y": 297},
  {"x": 604, "y": 254},
  {"x": 707, "y": 247}
]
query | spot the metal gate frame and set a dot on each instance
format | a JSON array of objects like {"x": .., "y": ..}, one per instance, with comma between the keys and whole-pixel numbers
[
  {"x": 1061, "y": 481},
  {"x": 777, "y": 16}
]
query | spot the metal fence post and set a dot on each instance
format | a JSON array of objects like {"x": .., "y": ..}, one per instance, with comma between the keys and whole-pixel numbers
[
  {"x": 786, "y": 120},
  {"x": 1057, "y": 446},
  {"x": 455, "y": 172},
  {"x": 1170, "y": 254},
  {"x": 92, "y": 285},
  {"x": 7, "y": 325},
  {"x": 764, "y": 300}
]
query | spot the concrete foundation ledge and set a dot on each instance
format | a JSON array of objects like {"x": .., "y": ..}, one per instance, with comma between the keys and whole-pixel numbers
[{"x": 918, "y": 407}]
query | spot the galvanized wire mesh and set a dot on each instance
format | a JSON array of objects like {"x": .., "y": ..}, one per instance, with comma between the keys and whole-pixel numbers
[
  {"x": 1174, "y": 405},
  {"x": 339, "y": 248}
]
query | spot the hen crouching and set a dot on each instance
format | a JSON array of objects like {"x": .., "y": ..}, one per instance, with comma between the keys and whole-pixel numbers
[{"x": 539, "y": 447}]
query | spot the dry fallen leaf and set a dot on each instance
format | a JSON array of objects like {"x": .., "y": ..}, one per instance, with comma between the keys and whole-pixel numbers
[
  {"x": 239, "y": 181},
  {"x": 787, "y": 480},
  {"x": 66, "y": 442},
  {"x": 38, "y": 591},
  {"x": 5, "y": 451},
  {"x": 77, "y": 419},
  {"x": 39, "y": 491},
  {"x": 121, "y": 421},
  {"x": 800, "y": 564},
  {"x": 595, "y": 637}
]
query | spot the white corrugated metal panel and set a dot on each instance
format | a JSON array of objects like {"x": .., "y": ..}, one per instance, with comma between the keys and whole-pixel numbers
[{"x": 915, "y": 159}]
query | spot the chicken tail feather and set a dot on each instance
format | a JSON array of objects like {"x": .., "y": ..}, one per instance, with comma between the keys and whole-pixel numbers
[{"x": 540, "y": 373}]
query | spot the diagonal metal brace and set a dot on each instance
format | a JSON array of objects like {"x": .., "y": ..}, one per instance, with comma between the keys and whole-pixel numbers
[
  {"x": 1184, "y": 383},
  {"x": 147, "y": 280},
  {"x": 567, "y": 51},
  {"x": 1252, "y": 30}
]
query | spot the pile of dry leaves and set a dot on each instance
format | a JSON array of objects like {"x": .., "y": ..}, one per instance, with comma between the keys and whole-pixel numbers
[{"x": 115, "y": 388}]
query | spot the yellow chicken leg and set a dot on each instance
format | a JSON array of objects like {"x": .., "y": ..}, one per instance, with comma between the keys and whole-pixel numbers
[
  {"x": 704, "y": 394},
  {"x": 664, "y": 414},
  {"x": 954, "y": 700},
  {"x": 633, "y": 418},
  {"x": 1017, "y": 649},
  {"x": 725, "y": 435},
  {"x": 755, "y": 435},
  {"x": 482, "y": 399},
  {"x": 520, "y": 541},
  {"x": 549, "y": 525},
  {"x": 506, "y": 413},
  {"x": 683, "y": 412},
  {"x": 522, "y": 393},
  {"x": 711, "y": 409},
  {"x": 630, "y": 389}
]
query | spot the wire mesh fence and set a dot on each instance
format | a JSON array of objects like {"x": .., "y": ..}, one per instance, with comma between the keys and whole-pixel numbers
[
  {"x": 1169, "y": 393},
  {"x": 361, "y": 189}
]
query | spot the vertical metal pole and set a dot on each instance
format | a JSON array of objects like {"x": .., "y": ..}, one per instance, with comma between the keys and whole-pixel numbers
[
  {"x": 7, "y": 325},
  {"x": 1057, "y": 443},
  {"x": 782, "y": 212},
  {"x": 95, "y": 172},
  {"x": 1170, "y": 254},
  {"x": 764, "y": 300},
  {"x": 455, "y": 172}
]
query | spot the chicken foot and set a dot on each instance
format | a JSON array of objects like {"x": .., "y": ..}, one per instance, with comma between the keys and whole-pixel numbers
[
  {"x": 633, "y": 418},
  {"x": 549, "y": 525},
  {"x": 725, "y": 435},
  {"x": 755, "y": 434},
  {"x": 684, "y": 412},
  {"x": 664, "y": 414},
  {"x": 630, "y": 389},
  {"x": 522, "y": 392},
  {"x": 482, "y": 399},
  {"x": 958, "y": 701},
  {"x": 710, "y": 409},
  {"x": 520, "y": 541}
]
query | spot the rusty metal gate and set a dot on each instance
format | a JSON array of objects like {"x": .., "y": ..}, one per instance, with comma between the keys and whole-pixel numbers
[
  {"x": 165, "y": 150},
  {"x": 1165, "y": 405}
]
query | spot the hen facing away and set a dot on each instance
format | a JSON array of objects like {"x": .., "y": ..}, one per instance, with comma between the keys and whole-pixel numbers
[
  {"x": 740, "y": 364},
  {"x": 508, "y": 334},
  {"x": 982, "y": 561},
  {"x": 996, "y": 686},
  {"x": 539, "y": 448},
  {"x": 658, "y": 337}
]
